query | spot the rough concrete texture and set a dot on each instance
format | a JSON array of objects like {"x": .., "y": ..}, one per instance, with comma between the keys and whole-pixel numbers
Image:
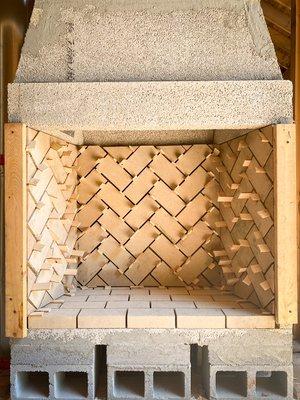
[
  {"x": 160, "y": 354},
  {"x": 151, "y": 106},
  {"x": 139, "y": 138},
  {"x": 264, "y": 346},
  {"x": 251, "y": 382},
  {"x": 144, "y": 40},
  {"x": 59, "y": 382},
  {"x": 161, "y": 382}
]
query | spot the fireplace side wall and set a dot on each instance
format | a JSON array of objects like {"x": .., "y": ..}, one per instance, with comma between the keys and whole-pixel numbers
[
  {"x": 247, "y": 178},
  {"x": 52, "y": 206}
]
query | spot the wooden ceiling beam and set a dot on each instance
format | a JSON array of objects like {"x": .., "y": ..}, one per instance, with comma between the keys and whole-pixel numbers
[
  {"x": 282, "y": 5},
  {"x": 276, "y": 17},
  {"x": 281, "y": 41},
  {"x": 283, "y": 58},
  {"x": 285, "y": 3}
]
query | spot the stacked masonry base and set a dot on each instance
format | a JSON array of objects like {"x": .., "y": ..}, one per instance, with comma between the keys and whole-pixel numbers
[
  {"x": 153, "y": 364},
  {"x": 151, "y": 273}
]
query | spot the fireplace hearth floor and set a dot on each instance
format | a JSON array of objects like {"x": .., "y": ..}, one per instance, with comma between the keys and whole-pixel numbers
[{"x": 159, "y": 308}]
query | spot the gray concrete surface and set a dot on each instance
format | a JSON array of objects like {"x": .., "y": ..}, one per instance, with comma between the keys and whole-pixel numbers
[
  {"x": 147, "y": 40},
  {"x": 149, "y": 382},
  {"x": 251, "y": 382},
  {"x": 160, "y": 354},
  {"x": 52, "y": 382},
  {"x": 151, "y": 106},
  {"x": 163, "y": 358}
]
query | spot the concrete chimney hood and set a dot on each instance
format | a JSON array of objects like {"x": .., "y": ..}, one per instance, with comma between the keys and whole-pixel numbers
[{"x": 99, "y": 68}]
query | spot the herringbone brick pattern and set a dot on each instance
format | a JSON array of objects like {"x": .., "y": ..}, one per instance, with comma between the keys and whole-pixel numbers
[
  {"x": 192, "y": 215},
  {"x": 52, "y": 180},
  {"x": 146, "y": 216},
  {"x": 246, "y": 177}
]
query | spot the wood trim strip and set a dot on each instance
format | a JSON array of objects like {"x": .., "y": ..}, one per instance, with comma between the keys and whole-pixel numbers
[
  {"x": 15, "y": 230},
  {"x": 285, "y": 224}
]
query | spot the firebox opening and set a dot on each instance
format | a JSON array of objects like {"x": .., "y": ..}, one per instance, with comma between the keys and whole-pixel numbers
[{"x": 151, "y": 236}]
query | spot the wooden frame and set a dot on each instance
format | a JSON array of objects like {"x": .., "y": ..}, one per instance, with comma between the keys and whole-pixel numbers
[
  {"x": 295, "y": 77},
  {"x": 16, "y": 227},
  {"x": 285, "y": 224},
  {"x": 15, "y": 231}
]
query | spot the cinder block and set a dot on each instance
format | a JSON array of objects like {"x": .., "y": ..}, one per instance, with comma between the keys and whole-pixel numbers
[
  {"x": 162, "y": 382},
  {"x": 200, "y": 318},
  {"x": 151, "y": 318},
  {"x": 127, "y": 304},
  {"x": 53, "y": 382},
  {"x": 102, "y": 318},
  {"x": 249, "y": 319},
  {"x": 252, "y": 382},
  {"x": 252, "y": 347},
  {"x": 52, "y": 352},
  {"x": 55, "y": 319},
  {"x": 146, "y": 355}
]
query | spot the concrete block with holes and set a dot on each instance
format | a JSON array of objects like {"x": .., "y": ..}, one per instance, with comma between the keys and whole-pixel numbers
[
  {"x": 53, "y": 382},
  {"x": 250, "y": 382},
  {"x": 151, "y": 382}
]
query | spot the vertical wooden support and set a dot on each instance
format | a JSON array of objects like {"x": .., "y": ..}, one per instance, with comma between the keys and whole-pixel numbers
[
  {"x": 15, "y": 230},
  {"x": 285, "y": 224},
  {"x": 295, "y": 77}
]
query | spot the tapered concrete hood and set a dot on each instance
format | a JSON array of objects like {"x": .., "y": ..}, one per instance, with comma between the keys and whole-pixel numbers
[
  {"x": 177, "y": 45},
  {"x": 145, "y": 40}
]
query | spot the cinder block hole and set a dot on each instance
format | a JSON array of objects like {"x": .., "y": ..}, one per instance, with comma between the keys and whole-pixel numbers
[
  {"x": 271, "y": 383},
  {"x": 196, "y": 356},
  {"x": 72, "y": 385},
  {"x": 129, "y": 384},
  {"x": 32, "y": 385},
  {"x": 168, "y": 385},
  {"x": 100, "y": 372},
  {"x": 199, "y": 369},
  {"x": 231, "y": 384}
]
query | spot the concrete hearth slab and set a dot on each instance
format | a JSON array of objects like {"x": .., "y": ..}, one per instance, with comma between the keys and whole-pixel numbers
[{"x": 151, "y": 106}]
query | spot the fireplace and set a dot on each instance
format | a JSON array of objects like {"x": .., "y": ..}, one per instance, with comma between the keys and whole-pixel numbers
[
  {"x": 150, "y": 204},
  {"x": 154, "y": 236}
]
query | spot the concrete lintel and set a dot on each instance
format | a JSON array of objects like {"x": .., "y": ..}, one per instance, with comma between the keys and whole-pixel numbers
[{"x": 151, "y": 106}]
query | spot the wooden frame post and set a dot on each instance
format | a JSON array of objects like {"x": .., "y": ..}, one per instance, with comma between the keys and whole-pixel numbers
[
  {"x": 15, "y": 231},
  {"x": 295, "y": 77},
  {"x": 285, "y": 224}
]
